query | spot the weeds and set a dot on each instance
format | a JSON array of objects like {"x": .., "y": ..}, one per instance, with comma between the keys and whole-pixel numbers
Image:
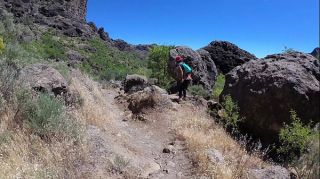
[
  {"x": 120, "y": 164},
  {"x": 2, "y": 46},
  {"x": 218, "y": 87},
  {"x": 231, "y": 117},
  {"x": 46, "y": 117},
  {"x": 197, "y": 90}
]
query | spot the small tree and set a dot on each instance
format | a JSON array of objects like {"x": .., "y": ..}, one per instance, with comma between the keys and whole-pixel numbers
[{"x": 158, "y": 63}]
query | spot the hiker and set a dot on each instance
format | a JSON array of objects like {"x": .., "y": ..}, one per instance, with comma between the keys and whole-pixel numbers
[{"x": 183, "y": 77}]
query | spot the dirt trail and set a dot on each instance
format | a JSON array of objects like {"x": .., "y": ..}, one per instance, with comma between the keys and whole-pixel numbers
[{"x": 122, "y": 148}]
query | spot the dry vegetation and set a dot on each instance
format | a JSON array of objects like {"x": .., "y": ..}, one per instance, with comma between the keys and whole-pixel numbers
[{"x": 202, "y": 134}]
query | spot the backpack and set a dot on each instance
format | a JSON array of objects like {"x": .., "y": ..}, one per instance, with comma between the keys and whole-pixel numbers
[{"x": 186, "y": 68}]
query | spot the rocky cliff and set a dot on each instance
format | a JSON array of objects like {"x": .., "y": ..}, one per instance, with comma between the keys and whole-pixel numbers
[{"x": 71, "y": 9}]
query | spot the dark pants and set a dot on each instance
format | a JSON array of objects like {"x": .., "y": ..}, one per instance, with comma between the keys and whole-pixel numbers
[{"x": 182, "y": 87}]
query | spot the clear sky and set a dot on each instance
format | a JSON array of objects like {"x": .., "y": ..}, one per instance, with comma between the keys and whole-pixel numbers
[{"x": 261, "y": 27}]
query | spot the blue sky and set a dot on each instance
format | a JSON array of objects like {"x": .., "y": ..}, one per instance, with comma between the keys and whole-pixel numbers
[{"x": 261, "y": 27}]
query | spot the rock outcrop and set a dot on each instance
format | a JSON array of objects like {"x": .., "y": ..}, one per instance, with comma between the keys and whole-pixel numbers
[
  {"x": 316, "y": 52},
  {"x": 43, "y": 78},
  {"x": 227, "y": 56},
  {"x": 67, "y": 16},
  {"x": 203, "y": 69},
  {"x": 267, "y": 89}
]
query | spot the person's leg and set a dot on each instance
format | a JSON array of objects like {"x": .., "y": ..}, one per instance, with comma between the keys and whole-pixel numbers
[
  {"x": 185, "y": 87},
  {"x": 179, "y": 84}
]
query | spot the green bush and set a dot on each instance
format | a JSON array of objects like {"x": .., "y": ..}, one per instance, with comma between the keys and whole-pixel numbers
[
  {"x": 46, "y": 117},
  {"x": 2, "y": 46},
  {"x": 158, "y": 63},
  {"x": 231, "y": 117},
  {"x": 294, "y": 138},
  {"x": 197, "y": 90},
  {"x": 218, "y": 87}
]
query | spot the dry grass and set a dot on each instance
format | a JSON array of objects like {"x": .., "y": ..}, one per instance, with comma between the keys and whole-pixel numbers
[
  {"x": 202, "y": 134},
  {"x": 23, "y": 155},
  {"x": 94, "y": 108}
]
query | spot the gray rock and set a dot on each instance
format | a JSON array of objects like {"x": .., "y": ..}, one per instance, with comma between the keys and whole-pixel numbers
[
  {"x": 227, "y": 56},
  {"x": 215, "y": 156},
  {"x": 134, "y": 83},
  {"x": 44, "y": 78},
  {"x": 273, "y": 172},
  {"x": 201, "y": 75},
  {"x": 267, "y": 89},
  {"x": 74, "y": 57}
]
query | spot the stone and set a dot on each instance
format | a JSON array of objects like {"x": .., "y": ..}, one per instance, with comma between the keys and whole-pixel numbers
[
  {"x": 44, "y": 78},
  {"x": 267, "y": 90},
  {"x": 134, "y": 83},
  {"x": 227, "y": 56},
  {"x": 272, "y": 172},
  {"x": 74, "y": 58},
  {"x": 215, "y": 156}
]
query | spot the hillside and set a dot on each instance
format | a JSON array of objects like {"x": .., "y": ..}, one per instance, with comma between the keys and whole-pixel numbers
[{"x": 75, "y": 103}]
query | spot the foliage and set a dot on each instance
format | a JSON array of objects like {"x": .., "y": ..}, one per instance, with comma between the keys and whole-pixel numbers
[
  {"x": 8, "y": 76},
  {"x": 199, "y": 91},
  {"x": 294, "y": 138},
  {"x": 46, "y": 117},
  {"x": 218, "y": 87},
  {"x": 48, "y": 47},
  {"x": 107, "y": 63},
  {"x": 158, "y": 63},
  {"x": 231, "y": 117},
  {"x": 2, "y": 46}
]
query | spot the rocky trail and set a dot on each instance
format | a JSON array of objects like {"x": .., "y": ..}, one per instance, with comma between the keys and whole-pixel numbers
[{"x": 121, "y": 147}]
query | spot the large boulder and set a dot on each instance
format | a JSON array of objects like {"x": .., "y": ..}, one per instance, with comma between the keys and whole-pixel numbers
[
  {"x": 227, "y": 55},
  {"x": 204, "y": 71},
  {"x": 316, "y": 52},
  {"x": 267, "y": 89},
  {"x": 43, "y": 78},
  {"x": 134, "y": 83}
]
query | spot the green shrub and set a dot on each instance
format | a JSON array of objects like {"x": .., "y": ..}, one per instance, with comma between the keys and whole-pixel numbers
[
  {"x": 218, "y": 87},
  {"x": 2, "y": 46},
  {"x": 294, "y": 138},
  {"x": 197, "y": 90},
  {"x": 158, "y": 63},
  {"x": 231, "y": 117},
  {"x": 46, "y": 117}
]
